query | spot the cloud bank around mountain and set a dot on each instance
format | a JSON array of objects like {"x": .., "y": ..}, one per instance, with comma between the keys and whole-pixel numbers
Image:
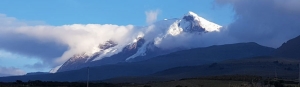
[
  {"x": 267, "y": 22},
  {"x": 55, "y": 44}
]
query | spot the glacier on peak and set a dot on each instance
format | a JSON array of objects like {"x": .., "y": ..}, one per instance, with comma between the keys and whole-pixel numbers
[
  {"x": 190, "y": 23},
  {"x": 148, "y": 37}
]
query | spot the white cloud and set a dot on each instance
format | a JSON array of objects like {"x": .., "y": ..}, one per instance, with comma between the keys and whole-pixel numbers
[
  {"x": 267, "y": 22},
  {"x": 41, "y": 41},
  {"x": 151, "y": 16},
  {"x": 10, "y": 71},
  {"x": 79, "y": 38}
]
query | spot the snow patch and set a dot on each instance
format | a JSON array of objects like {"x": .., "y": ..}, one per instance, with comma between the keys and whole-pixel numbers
[
  {"x": 174, "y": 30},
  {"x": 141, "y": 52},
  {"x": 93, "y": 51},
  {"x": 54, "y": 70},
  {"x": 106, "y": 53}
]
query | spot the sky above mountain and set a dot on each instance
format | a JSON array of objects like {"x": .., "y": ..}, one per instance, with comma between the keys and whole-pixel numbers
[
  {"x": 58, "y": 12},
  {"x": 39, "y": 35}
]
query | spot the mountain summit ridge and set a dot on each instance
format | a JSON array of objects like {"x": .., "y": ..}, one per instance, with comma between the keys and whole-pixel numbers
[{"x": 200, "y": 22}]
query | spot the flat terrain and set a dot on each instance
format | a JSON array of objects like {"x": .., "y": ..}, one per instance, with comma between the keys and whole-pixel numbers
[{"x": 196, "y": 83}]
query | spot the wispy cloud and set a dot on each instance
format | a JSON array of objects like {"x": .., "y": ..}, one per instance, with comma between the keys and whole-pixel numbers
[{"x": 151, "y": 16}]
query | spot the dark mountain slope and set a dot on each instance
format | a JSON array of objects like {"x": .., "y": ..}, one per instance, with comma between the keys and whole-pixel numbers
[
  {"x": 290, "y": 49},
  {"x": 261, "y": 66},
  {"x": 264, "y": 66}
]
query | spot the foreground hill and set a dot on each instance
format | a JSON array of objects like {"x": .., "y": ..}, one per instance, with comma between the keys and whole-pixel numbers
[
  {"x": 283, "y": 63},
  {"x": 290, "y": 49},
  {"x": 191, "y": 57},
  {"x": 261, "y": 66},
  {"x": 265, "y": 66}
]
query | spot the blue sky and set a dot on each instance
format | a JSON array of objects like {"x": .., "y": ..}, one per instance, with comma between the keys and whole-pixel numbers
[
  {"x": 8, "y": 59},
  {"x": 62, "y": 12}
]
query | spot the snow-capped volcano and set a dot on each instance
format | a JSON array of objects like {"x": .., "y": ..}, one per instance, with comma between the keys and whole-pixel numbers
[
  {"x": 191, "y": 23},
  {"x": 147, "y": 43}
]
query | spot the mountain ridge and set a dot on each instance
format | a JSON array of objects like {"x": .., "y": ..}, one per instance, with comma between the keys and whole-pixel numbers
[
  {"x": 289, "y": 49},
  {"x": 142, "y": 47}
]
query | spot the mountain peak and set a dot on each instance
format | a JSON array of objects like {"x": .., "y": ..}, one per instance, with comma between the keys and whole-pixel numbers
[
  {"x": 192, "y": 22},
  {"x": 190, "y": 13},
  {"x": 190, "y": 16}
]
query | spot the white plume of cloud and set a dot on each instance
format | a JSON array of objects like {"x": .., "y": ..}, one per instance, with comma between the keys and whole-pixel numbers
[
  {"x": 80, "y": 38},
  {"x": 151, "y": 16}
]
